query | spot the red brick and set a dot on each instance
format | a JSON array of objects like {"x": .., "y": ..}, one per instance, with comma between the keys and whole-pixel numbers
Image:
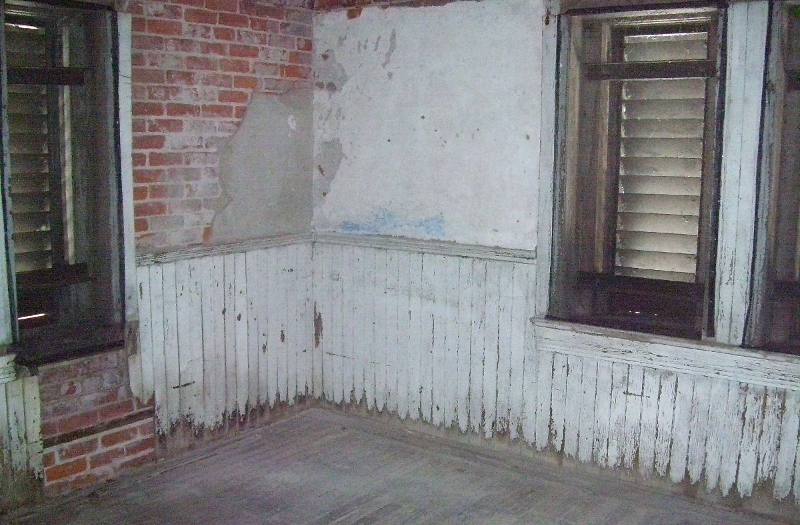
[
  {"x": 139, "y": 24},
  {"x": 215, "y": 80},
  {"x": 166, "y": 191},
  {"x": 165, "y": 125},
  {"x": 144, "y": 176},
  {"x": 147, "y": 43},
  {"x": 182, "y": 110},
  {"x": 239, "y": 97},
  {"x": 148, "y": 108},
  {"x": 245, "y": 82},
  {"x": 147, "y": 76},
  {"x": 304, "y": 44},
  {"x": 138, "y": 461},
  {"x": 140, "y": 193},
  {"x": 138, "y": 125},
  {"x": 201, "y": 63},
  {"x": 118, "y": 436},
  {"x": 239, "y": 112},
  {"x": 164, "y": 27},
  {"x": 303, "y": 59},
  {"x": 185, "y": 78},
  {"x": 65, "y": 470},
  {"x": 147, "y": 428},
  {"x": 148, "y": 209},
  {"x": 223, "y": 5},
  {"x": 192, "y": 3},
  {"x": 165, "y": 159},
  {"x": 140, "y": 225},
  {"x": 49, "y": 459},
  {"x": 81, "y": 448},
  {"x": 200, "y": 16},
  {"x": 283, "y": 41},
  {"x": 77, "y": 422},
  {"x": 228, "y": 19},
  {"x": 139, "y": 159},
  {"x": 239, "y": 50},
  {"x": 116, "y": 410},
  {"x": 295, "y": 72},
  {"x": 234, "y": 65},
  {"x": 217, "y": 110},
  {"x": 104, "y": 458},
  {"x": 224, "y": 33},
  {"x": 148, "y": 141}
]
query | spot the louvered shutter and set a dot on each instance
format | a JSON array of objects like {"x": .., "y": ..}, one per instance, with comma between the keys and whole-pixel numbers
[
  {"x": 660, "y": 167},
  {"x": 30, "y": 154}
]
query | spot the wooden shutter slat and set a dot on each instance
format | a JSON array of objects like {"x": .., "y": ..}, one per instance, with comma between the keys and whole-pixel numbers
[
  {"x": 659, "y": 242},
  {"x": 26, "y": 262},
  {"x": 661, "y": 167},
  {"x": 664, "y": 262},
  {"x": 663, "y": 109},
  {"x": 665, "y": 89},
  {"x": 683, "y": 205},
  {"x": 660, "y": 185},
  {"x": 653, "y": 222},
  {"x": 655, "y": 274},
  {"x": 663, "y": 147},
  {"x": 663, "y": 129},
  {"x": 656, "y": 50}
]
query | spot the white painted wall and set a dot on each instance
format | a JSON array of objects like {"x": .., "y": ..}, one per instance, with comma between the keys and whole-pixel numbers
[{"x": 427, "y": 121}]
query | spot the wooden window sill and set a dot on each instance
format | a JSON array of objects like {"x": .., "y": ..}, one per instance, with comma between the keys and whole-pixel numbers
[{"x": 53, "y": 344}]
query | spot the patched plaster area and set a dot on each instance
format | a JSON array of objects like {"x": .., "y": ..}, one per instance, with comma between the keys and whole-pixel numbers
[
  {"x": 426, "y": 121},
  {"x": 265, "y": 170}
]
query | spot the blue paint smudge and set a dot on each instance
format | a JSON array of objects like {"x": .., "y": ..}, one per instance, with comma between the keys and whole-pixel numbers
[{"x": 387, "y": 223}]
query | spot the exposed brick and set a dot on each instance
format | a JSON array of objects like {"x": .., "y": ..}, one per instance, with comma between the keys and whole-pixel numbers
[
  {"x": 48, "y": 459},
  {"x": 140, "y": 193},
  {"x": 148, "y": 443},
  {"x": 146, "y": 209},
  {"x": 118, "y": 436},
  {"x": 148, "y": 108},
  {"x": 239, "y": 97},
  {"x": 148, "y": 141},
  {"x": 223, "y": 5},
  {"x": 77, "y": 422},
  {"x": 76, "y": 449},
  {"x": 102, "y": 459},
  {"x": 164, "y": 27},
  {"x": 229, "y": 19},
  {"x": 234, "y": 65},
  {"x": 240, "y": 50},
  {"x": 200, "y": 16},
  {"x": 65, "y": 470}
]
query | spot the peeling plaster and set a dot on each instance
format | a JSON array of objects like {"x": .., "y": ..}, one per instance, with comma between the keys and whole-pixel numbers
[
  {"x": 265, "y": 170},
  {"x": 423, "y": 130}
]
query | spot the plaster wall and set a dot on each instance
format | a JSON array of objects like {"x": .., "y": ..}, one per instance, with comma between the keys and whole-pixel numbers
[{"x": 452, "y": 108}]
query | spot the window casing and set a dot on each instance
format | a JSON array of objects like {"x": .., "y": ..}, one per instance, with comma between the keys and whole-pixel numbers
[
  {"x": 775, "y": 321},
  {"x": 638, "y": 171},
  {"x": 62, "y": 190}
]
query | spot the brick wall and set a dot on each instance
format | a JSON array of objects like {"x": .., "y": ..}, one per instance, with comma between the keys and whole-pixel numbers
[
  {"x": 196, "y": 64},
  {"x": 355, "y": 4},
  {"x": 91, "y": 425}
]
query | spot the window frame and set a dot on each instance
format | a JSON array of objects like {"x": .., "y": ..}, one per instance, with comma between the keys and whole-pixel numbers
[{"x": 125, "y": 298}]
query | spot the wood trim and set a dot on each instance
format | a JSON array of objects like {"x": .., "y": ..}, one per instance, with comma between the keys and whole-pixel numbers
[
  {"x": 428, "y": 247},
  {"x": 195, "y": 252},
  {"x": 645, "y": 70},
  {"x": 668, "y": 353},
  {"x": 47, "y": 76},
  {"x": 747, "y": 37}
]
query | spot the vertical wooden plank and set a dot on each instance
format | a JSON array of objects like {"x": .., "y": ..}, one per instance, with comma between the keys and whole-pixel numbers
[
  {"x": 274, "y": 307},
  {"x": 464, "y": 349},
  {"x": 698, "y": 425},
  {"x": 747, "y": 32},
  {"x": 451, "y": 340},
  {"x": 395, "y": 337},
  {"x": 33, "y": 423},
  {"x": 229, "y": 323},
  {"x": 680, "y": 428},
  {"x": 516, "y": 344},
  {"x": 340, "y": 360},
  {"x": 349, "y": 334},
  {"x": 666, "y": 409},
  {"x": 588, "y": 395},
  {"x": 544, "y": 382},
  {"x": 293, "y": 344},
  {"x": 572, "y": 411},
  {"x": 616, "y": 419},
  {"x": 477, "y": 343},
  {"x": 280, "y": 314},
  {"x": 790, "y": 424},
  {"x": 504, "y": 349},
  {"x": 602, "y": 412},
  {"x": 171, "y": 347},
  {"x": 370, "y": 381},
  {"x": 254, "y": 272},
  {"x": 732, "y": 436},
  {"x": 308, "y": 321},
  {"x": 717, "y": 430},
  {"x": 427, "y": 337},
  {"x": 770, "y": 435},
  {"x": 531, "y": 360},
  {"x": 16, "y": 425},
  {"x": 403, "y": 355},
  {"x": 208, "y": 359},
  {"x": 157, "y": 333},
  {"x": 317, "y": 322},
  {"x": 633, "y": 414},
  {"x": 241, "y": 328},
  {"x": 263, "y": 272},
  {"x": 438, "y": 332},
  {"x": 558, "y": 402},
  {"x": 145, "y": 335},
  {"x": 490, "y": 347},
  {"x": 190, "y": 339},
  {"x": 219, "y": 342},
  {"x": 748, "y": 454},
  {"x": 360, "y": 350},
  {"x": 381, "y": 326},
  {"x": 326, "y": 319},
  {"x": 415, "y": 337},
  {"x": 647, "y": 432},
  {"x": 5, "y": 437}
]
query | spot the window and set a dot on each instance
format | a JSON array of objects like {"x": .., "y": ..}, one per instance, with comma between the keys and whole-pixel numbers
[
  {"x": 779, "y": 321},
  {"x": 638, "y": 171},
  {"x": 62, "y": 174}
]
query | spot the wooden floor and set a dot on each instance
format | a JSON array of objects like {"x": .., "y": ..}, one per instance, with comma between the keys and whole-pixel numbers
[{"x": 323, "y": 467}]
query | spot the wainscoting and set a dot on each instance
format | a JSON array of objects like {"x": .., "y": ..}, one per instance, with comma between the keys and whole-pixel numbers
[{"x": 445, "y": 334}]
